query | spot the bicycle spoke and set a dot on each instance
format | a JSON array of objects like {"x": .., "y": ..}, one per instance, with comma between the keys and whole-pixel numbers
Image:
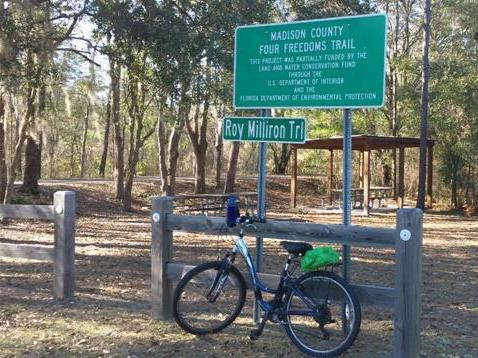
[
  {"x": 319, "y": 332},
  {"x": 205, "y": 301}
]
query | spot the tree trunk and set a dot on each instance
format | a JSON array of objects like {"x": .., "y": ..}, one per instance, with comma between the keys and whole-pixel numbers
[
  {"x": 32, "y": 170},
  {"x": 130, "y": 173},
  {"x": 392, "y": 94},
  {"x": 174, "y": 155},
  {"x": 106, "y": 136},
  {"x": 40, "y": 151},
  {"x": 469, "y": 183},
  {"x": 32, "y": 164},
  {"x": 163, "y": 166},
  {"x": 218, "y": 154},
  {"x": 198, "y": 136},
  {"x": 422, "y": 173},
  {"x": 83, "y": 141},
  {"x": 3, "y": 165},
  {"x": 454, "y": 191},
  {"x": 128, "y": 188},
  {"x": 232, "y": 168},
  {"x": 281, "y": 157},
  {"x": 72, "y": 157},
  {"x": 134, "y": 145},
  {"x": 115, "y": 74},
  {"x": 17, "y": 152}
]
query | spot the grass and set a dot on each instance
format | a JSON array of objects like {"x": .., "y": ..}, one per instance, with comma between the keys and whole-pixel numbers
[{"x": 110, "y": 316}]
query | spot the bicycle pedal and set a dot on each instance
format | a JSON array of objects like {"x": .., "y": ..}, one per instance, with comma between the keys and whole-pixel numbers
[
  {"x": 255, "y": 334},
  {"x": 278, "y": 319}
]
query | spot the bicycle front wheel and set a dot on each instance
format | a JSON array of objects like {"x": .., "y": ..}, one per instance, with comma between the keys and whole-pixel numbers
[
  {"x": 208, "y": 299},
  {"x": 323, "y": 315}
]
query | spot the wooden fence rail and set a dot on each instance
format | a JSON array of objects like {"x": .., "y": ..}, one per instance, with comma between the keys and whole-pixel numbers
[
  {"x": 406, "y": 238},
  {"x": 62, "y": 254}
]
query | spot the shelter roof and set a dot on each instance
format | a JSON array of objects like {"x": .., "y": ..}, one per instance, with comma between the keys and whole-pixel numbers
[{"x": 363, "y": 142}]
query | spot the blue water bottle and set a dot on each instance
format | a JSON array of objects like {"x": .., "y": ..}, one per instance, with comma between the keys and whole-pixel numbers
[{"x": 232, "y": 211}]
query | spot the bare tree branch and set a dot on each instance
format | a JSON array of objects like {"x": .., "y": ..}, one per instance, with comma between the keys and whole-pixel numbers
[
  {"x": 79, "y": 53},
  {"x": 72, "y": 26}
]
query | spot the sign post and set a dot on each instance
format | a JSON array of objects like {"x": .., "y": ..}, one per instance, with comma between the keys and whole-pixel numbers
[
  {"x": 261, "y": 204},
  {"x": 347, "y": 185}
]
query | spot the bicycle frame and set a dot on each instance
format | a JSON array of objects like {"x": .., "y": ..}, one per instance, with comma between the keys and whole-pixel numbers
[{"x": 259, "y": 287}]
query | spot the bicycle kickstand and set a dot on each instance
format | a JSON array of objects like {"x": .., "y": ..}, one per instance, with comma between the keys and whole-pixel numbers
[{"x": 256, "y": 333}]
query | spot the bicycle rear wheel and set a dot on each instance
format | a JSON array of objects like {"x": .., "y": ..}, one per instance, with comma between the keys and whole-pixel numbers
[
  {"x": 323, "y": 316},
  {"x": 207, "y": 299}
]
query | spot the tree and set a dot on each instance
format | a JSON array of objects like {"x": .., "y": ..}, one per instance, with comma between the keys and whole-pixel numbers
[
  {"x": 281, "y": 154},
  {"x": 454, "y": 108},
  {"x": 106, "y": 136},
  {"x": 422, "y": 172},
  {"x": 3, "y": 165},
  {"x": 314, "y": 9},
  {"x": 138, "y": 101},
  {"x": 232, "y": 168},
  {"x": 32, "y": 167},
  {"x": 115, "y": 75},
  {"x": 32, "y": 32},
  {"x": 218, "y": 153}
]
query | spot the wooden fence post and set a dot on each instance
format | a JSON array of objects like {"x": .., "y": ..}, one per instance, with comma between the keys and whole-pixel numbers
[
  {"x": 64, "y": 206},
  {"x": 408, "y": 284},
  {"x": 161, "y": 254}
]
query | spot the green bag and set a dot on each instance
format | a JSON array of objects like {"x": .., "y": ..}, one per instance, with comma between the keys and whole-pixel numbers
[{"x": 318, "y": 257}]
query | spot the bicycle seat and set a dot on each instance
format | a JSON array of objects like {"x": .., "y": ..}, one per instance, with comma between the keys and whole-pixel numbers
[{"x": 296, "y": 248}]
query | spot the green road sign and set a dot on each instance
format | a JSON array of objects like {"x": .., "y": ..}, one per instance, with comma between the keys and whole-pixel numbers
[
  {"x": 327, "y": 63},
  {"x": 264, "y": 129}
]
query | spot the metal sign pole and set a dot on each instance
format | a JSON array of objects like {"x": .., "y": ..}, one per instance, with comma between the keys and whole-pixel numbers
[
  {"x": 347, "y": 186},
  {"x": 261, "y": 203}
]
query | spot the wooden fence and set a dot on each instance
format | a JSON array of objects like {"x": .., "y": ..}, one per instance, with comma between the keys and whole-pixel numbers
[
  {"x": 62, "y": 213},
  {"x": 404, "y": 299}
]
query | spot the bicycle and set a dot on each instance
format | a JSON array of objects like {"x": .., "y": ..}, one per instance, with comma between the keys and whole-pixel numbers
[{"x": 210, "y": 297}]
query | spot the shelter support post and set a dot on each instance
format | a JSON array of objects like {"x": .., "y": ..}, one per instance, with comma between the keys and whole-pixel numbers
[
  {"x": 330, "y": 177},
  {"x": 408, "y": 283},
  {"x": 366, "y": 182},
  {"x": 361, "y": 169},
  {"x": 395, "y": 189},
  {"x": 401, "y": 177},
  {"x": 430, "y": 176},
  {"x": 161, "y": 254},
  {"x": 293, "y": 180}
]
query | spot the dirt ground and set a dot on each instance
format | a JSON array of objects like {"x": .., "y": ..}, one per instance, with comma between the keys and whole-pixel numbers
[{"x": 110, "y": 316}]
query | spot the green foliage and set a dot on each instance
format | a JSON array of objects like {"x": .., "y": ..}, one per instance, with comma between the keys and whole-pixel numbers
[
  {"x": 182, "y": 52},
  {"x": 454, "y": 95},
  {"x": 315, "y": 9}
]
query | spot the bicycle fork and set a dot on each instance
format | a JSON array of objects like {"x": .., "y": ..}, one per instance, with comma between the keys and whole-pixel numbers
[{"x": 221, "y": 278}]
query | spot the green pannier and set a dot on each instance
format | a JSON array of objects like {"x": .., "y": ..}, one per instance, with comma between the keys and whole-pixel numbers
[{"x": 319, "y": 257}]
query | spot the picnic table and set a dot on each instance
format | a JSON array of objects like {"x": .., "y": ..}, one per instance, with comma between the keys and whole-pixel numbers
[
  {"x": 375, "y": 193},
  {"x": 207, "y": 204}
]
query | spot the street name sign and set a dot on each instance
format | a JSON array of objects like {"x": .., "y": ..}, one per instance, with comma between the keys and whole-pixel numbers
[
  {"x": 325, "y": 63},
  {"x": 264, "y": 129}
]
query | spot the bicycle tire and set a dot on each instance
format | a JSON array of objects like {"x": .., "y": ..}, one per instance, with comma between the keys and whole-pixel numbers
[
  {"x": 313, "y": 285},
  {"x": 194, "y": 319}
]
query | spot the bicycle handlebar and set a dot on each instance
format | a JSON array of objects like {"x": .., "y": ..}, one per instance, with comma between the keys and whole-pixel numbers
[{"x": 248, "y": 219}]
